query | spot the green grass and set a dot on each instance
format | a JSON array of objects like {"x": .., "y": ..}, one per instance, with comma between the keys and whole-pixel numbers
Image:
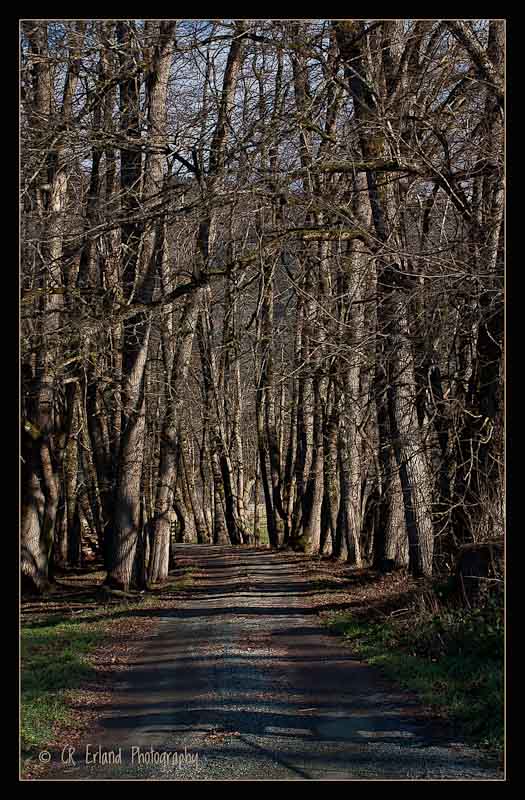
[
  {"x": 264, "y": 539},
  {"x": 54, "y": 660},
  {"x": 183, "y": 582},
  {"x": 262, "y": 530},
  {"x": 453, "y": 659}
]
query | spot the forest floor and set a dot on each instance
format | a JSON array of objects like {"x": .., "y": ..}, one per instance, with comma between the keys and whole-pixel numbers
[{"x": 231, "y": 672}]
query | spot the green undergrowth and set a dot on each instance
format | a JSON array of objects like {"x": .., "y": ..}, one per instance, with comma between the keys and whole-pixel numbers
[
  {"x": 53, "y": 660},
  {"x": 452, "y": 658},
  {"x": 184, "y": 581}
]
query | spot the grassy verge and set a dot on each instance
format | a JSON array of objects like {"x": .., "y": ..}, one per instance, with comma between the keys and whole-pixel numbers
[
  {"x": 177, "y": 584},
  {"x": 452, "y": 658},
  {"x": 57, "y": 651},
  {"x": 53, "y": 653}
]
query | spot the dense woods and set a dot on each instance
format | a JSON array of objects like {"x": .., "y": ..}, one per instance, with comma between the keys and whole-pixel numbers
[{"x": 262, "y": 269}]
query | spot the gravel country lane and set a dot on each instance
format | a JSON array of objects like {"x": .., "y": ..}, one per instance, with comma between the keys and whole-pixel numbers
[{"x": 241, "y": 682}]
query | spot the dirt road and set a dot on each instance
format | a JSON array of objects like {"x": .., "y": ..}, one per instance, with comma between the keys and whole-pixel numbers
[{"x": 241, "y": 681}]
